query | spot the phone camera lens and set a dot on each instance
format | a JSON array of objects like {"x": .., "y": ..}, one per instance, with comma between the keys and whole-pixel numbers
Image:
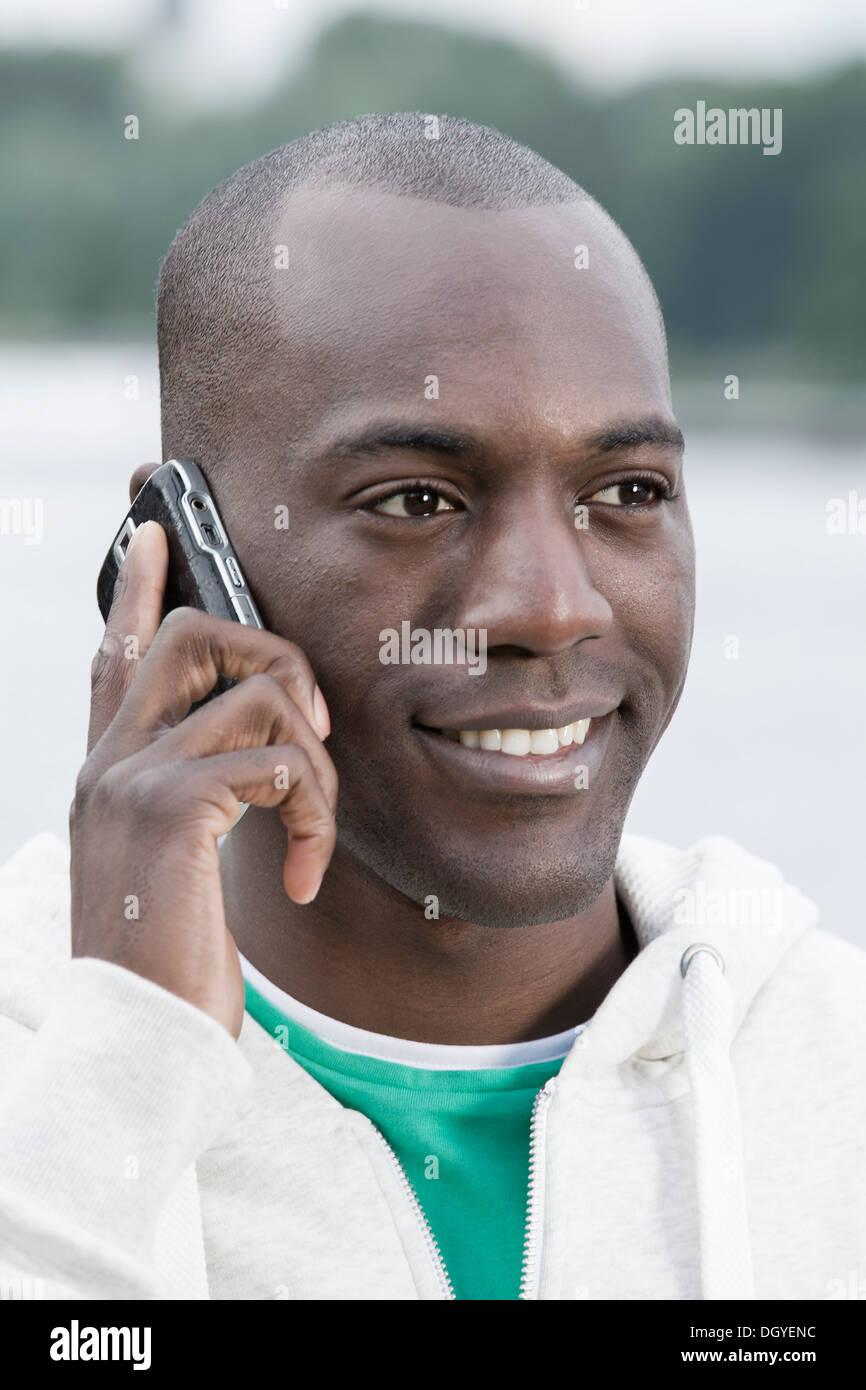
[{"x": 199, "y": 504}]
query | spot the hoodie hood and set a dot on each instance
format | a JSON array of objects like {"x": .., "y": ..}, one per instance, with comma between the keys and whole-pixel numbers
[
  {"x": 712, "y": 923},
  {"x": 713, "y": 894}
]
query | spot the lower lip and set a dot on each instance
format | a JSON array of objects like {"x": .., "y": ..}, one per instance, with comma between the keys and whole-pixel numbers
[{"x": 539, "y": 774}]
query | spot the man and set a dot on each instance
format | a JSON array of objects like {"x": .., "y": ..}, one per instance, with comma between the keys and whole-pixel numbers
[{"x": 445, "y": 1032}]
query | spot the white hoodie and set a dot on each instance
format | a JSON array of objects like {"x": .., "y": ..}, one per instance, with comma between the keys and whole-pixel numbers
[{"x": 704, "y": 1138}]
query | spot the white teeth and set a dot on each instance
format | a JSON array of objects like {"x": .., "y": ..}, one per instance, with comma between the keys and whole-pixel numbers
[
  {"x": 543, "y": 741},
  {"x": 516, "y": 741},
  {"x": 520, "y": 742}
]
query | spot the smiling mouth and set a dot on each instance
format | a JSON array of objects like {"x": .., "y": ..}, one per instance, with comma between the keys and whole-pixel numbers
[
  {"x": 508, "y": 760},
  {"x": 520, "y": 743}
]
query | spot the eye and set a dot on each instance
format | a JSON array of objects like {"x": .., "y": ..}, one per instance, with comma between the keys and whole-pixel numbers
[
  {"x": 412, "y": 502},
  {"x": 633, "y": 492}
]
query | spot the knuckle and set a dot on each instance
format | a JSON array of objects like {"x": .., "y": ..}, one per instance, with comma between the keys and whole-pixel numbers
[
  {"x": 327, "y": 831},
  {"x": 263, "y": 686},
  {"x": 322, "y": 813},
  {"x": 304, "y": 769},
  {"x": 319, "y": 774},
  {"x": 121, "y": 584},
  {"x": 302, "y": 779},
  {"x": 104, "y": 666},
  {"x": 94, "y": 798},
  {"x": 85, "y": 784},
  {"x": 292, "y": 656},
  {"x": 181, "y": 623},
  {"x": 255, "y": 708},
  {"x": 268, "y": 703},
  {"x": 84, "y": 781},
  {"x": 104, "y": 793},
  {"x": 329, "y": 782},
  {"x": 293, "y": 670},
  {"x": 148, "y": 798},
  {"x": 131, "y": 794},
  {"x": 150, "y": 793}
]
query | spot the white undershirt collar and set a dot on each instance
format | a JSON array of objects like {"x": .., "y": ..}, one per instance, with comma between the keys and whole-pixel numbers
[{"x": 431, "y": 1056}]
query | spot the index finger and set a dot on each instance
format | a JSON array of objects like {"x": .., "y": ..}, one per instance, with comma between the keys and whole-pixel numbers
[
  {"x": 131, "y": 625},
  {"x": 191, "y": 649}
]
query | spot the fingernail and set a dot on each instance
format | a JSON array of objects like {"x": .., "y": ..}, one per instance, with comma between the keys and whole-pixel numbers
[
  {"x": 311, "y": 896},
  {"x": 135, "y": 535},
  {"x": 321, "y": 718},
  {"x": 314, "y": 883}
]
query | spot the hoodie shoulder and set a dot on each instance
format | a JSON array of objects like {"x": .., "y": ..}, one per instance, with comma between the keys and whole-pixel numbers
[
  {"x": 716, "y": 884},
  {"x": 712, "y": 882},
  {"x": 824, "y": 978},
  {"x": 34, "y": 901},
  {"x": 45, "y": 851},
  {"x": 655, "y": 857}
]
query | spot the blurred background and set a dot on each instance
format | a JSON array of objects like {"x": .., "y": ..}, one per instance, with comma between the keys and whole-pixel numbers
[{"x": 757, "y": 261}]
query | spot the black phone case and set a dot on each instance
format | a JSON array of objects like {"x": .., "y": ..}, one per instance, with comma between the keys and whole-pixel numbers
[{"x": 193, "y": 579}]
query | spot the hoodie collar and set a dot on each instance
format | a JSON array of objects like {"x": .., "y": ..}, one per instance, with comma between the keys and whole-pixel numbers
[{"x": 715, "y": 894}]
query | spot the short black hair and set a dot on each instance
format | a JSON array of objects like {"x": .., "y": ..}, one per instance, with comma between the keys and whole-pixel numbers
[{"x": 214, "y": 299}]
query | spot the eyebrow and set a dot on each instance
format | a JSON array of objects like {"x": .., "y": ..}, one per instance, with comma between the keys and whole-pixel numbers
[
  {"x": 625, "y": 434},
  {"x": 429, "y": 440},
  {"x": 632, "y": 434}
]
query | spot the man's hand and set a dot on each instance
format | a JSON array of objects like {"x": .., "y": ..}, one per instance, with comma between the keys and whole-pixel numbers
[{"x": 158, "y": 788}]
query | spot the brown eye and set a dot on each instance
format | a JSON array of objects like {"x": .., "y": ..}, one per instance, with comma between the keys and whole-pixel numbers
[
  {"x": 631, "y": 493},
  {"x": 419, "y": 501}
]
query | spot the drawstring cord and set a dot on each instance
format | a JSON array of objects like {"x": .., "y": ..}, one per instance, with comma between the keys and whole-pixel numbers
[{"x": 725, "y": 1245}]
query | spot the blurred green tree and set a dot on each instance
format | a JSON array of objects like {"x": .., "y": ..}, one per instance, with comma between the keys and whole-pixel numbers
[{"x": 755, "y": 256}]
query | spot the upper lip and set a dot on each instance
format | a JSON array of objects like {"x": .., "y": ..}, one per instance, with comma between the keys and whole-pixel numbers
[{"x": 535, "y": 717}]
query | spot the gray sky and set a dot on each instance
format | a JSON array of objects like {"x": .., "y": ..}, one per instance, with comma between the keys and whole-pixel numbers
[{"x": 233, "y": 47}]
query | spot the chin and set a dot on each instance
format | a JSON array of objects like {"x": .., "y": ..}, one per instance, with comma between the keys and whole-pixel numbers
[
  {"x": 528, "y": 898},
  {"x": 520, "y": 890}
]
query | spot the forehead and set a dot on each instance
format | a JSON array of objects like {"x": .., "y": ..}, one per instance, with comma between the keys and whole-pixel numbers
[{"x": 381, "y": 292}]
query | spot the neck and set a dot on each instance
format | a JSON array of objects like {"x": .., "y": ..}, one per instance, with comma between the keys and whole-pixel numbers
[{"x": 364, "y": 954}]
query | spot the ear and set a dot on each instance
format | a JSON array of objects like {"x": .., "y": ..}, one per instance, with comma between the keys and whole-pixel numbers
[{"x": 139, "y": 477}]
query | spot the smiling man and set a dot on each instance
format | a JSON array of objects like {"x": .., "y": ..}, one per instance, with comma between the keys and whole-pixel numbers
[{"x": 440, "y": 1030}]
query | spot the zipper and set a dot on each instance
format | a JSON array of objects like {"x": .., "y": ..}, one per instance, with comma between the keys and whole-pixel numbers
[
  {"x": 430, "y": 1240},
  {"x": 535, "y": 1192},
  {"x": 534, "y": 1201}
]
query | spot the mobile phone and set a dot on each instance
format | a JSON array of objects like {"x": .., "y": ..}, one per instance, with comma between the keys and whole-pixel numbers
[{"x": 203, "y": 570}]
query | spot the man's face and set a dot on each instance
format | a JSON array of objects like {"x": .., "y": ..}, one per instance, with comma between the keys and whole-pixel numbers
[{"x": 542, "y": 370}]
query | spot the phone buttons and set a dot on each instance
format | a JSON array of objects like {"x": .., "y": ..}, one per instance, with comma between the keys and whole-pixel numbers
[
  {"x": 244, "y": 610},
  {"x": 234, "y": 573},
  {"x": 121, "y": 544}
]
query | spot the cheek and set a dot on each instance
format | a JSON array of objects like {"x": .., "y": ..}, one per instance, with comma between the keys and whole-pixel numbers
[
  {"x": 679, "y": 581},
  {"x": 652, "y": 593},
  {"x": 334, "y": 607},
  {"x": 669, "y": 624}
]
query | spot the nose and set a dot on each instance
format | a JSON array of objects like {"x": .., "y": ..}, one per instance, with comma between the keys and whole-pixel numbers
[{"x": 529, "y": 584}]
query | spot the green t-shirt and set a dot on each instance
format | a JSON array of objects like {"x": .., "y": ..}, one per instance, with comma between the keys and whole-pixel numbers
[{"x": 461, "y": 1136}]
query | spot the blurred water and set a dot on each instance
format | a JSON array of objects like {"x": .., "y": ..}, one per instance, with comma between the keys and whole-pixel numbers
[{"x": 767, "y": 748}]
